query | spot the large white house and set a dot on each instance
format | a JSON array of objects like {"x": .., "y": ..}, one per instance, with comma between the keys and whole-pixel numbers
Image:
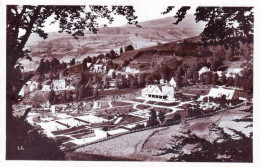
[
  {"x": 160, "y": 92},
  {"x": 57, "y": 85},
  {"x": 172, "y": 82}
]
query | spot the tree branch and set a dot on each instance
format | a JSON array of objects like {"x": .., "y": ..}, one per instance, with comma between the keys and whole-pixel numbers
[
  {"x": 22, "y": 118},
  {"x": 26, "y": 79},
  {"x": 17, "y": 26},
  {"x": 29, "y": 29}
]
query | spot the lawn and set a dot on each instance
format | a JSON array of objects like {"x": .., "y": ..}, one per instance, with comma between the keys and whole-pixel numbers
[
  {"x": 69, "y": 144},
  {"x": 119, "y": 103},
  {"x": 82, "y": 136},
  {"x": 164, "y": 110},
  {"x": 183, "y": 114},
  {"x": 196, "y": 89},
  {"x": 115, "y": 111},
  {"x": 142, "y": 107},
  {"x": 138, "y": 100},
  {"x": 151, "y": 102},
  {"x": 85, "y": 131},
  {"x": 104, "y": 104},
  {"x": 63, "y": 138},
  {"x": 168, "y": 104},
  {"x": 128, "y": 119},
  {"x": 59, "y": 132},
  {"x": 125, "y": 145},
  {"x": 115, "y": 92}
]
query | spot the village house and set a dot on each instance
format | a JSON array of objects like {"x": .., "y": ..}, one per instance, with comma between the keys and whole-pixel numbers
[
  {"x": 58, "y": 85},
  {"x": 230, "y": 94},
  {"x": 172, "y": 82},
  {"x": 98, "y": 68},
  {"x": 159, "y": 92},
  {"x": 203, "y": 70},
  {"x": 231, "y": 72},
  {"x": 132, "y": 70}
]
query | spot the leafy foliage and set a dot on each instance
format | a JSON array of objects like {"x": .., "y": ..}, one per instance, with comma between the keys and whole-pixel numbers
[
  {"x": 22, "y": 21},
  {"x": 27, "y": 142},
  {"x": 228, "y": 26},
  {"x": 223, "y": 149}
]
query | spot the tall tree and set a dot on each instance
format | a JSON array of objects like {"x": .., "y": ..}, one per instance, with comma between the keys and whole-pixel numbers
[
  {"x": 161, "y": 116},
  {"x": 112, "y": 54},
  {"x": 121, "y": 51},
  {"x": 41, "y": 68},
  {"x": 72, "y": 62},
  {"x": 22, "y": 21},
  {"x": 52, "y": 97}
]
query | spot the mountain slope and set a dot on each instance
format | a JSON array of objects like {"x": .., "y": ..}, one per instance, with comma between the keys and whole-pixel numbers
[{"x": 151, "y": 33}]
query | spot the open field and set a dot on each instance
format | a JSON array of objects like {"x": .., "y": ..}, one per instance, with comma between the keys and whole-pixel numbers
[
  {"x": 146, "y": 144},
  {"x": 117, "y": 92},
  {"x": 118, "y": 103}
]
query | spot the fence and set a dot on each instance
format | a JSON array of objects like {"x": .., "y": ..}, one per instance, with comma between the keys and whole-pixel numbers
[{"x": 156, "y": 126}]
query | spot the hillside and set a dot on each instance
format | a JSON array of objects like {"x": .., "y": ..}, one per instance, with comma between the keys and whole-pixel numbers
[
  {"x": 176, "y": 48},
  {"x": 148, "y": 145},
  {"x": 150, "y": 34}
]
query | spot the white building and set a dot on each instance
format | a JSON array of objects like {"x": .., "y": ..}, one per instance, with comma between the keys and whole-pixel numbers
[
  {"x": 46, "y": 88},
  {"x": 218, "y": 92},
  {"x": 172, "y": 82},
  {"x": 203, "y": 70},
  {"x": 98, "y": 68},
  {"x": 132, "y": 70},
  {"x": 231, "y": 72},
  {"x": 163, "y": 92},
  {"x": 219, "y": 73},
  {"x": 58, "y": 85},
  {"x": 110, "y": 72}
]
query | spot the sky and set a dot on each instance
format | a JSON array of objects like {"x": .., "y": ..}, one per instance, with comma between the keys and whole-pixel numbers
[{"x": 149, "y": 11}]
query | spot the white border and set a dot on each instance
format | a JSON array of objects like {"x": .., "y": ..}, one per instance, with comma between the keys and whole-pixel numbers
[{"x": 256, "y": 124}]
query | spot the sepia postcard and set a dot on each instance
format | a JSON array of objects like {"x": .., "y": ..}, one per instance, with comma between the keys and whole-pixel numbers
[{"x": 128, "y": 82}]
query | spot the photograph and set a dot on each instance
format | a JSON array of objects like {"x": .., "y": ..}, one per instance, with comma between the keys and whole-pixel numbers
[{"x": 140, "y": 82}]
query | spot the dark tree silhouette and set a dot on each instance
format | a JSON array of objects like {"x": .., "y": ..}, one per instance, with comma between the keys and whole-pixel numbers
[
  {"x": 222, "y": 149},
  {"x": 228, "y": 26},
  {"x": 129, "y": 48},
  {"x": 121, "y": 51},
  {"x": 41, "y": 68},
  {"x": 73, "y": 62},
  {"x": 29, "y": 19},
  {"x": 52, "y": 96},
  {"x": 161, "y": 116}
]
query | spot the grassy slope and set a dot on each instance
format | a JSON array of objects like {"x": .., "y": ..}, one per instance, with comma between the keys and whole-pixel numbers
[
  {"x": 144, "y": 145},
  {"x": 174, "y": 47}
]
